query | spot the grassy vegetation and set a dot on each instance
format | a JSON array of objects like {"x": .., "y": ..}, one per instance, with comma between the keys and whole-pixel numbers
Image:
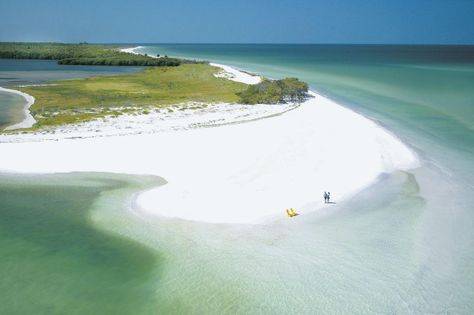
[
  {"x": 73, "y": 101},
  {"x": 83, "y": 54},
  {"x": 175, "y": 81},
  {"x": 275, "y": 91}
]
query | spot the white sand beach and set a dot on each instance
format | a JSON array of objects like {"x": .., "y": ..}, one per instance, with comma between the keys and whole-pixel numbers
[
  {"x": 131, "y": 50},
  {"x": 236, "y": 75},
  {"x": 235, "y": 173},
  {"x": 183, "y": 116},
  {"x": 227, "y": 71},
  {"x": 28, "y": 120}
]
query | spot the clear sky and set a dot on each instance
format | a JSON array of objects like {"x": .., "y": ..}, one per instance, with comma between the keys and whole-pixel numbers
[{"x": 239, "y": 21}]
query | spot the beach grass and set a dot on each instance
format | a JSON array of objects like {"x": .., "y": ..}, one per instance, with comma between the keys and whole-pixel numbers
[{"x": 74, "y": 101}]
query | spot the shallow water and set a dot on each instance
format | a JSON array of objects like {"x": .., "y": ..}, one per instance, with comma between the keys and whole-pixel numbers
[
  {"x": 404, "y": 245},
  {"x": 11, "y": 108},
  {"x": 56, "y": 261}
]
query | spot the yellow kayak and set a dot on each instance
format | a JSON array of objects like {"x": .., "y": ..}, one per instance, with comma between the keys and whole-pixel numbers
[{"x": 291, "y": 212}]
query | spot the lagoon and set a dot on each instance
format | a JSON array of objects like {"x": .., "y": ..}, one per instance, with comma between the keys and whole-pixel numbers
[{"x": 14, "y": 72}]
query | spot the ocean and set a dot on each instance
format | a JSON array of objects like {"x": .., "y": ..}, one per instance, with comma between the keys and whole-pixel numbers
[{"x": 403, "y": 245}]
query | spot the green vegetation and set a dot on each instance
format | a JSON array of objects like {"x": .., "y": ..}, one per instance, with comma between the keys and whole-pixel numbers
[
  {"x": 174, "y": 81},
  {"x": 275, "y": 91},
  {"x": 73, "y": 101},
  {"x": 83, "y": 54}
]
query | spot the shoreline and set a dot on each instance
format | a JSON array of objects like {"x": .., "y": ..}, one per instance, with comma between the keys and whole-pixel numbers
[
  {"x": 395, "y": 156},
  {"x": 227, "y": 72},
  {"x": 131, "y": 50},
  {"x": 28, "y": 120},
  {"x": 252, "y": 170},
  {"x": 235, "y": 74},
  {"x": 182, "y": 117}
]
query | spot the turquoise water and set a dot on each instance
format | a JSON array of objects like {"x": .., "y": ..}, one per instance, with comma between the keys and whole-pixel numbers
[
  {"x": 404, "y": 245},
  {"x": 408, "y": 245},
  {"x": 55, "y": 261},
  {"x": 427, "y": 88}
]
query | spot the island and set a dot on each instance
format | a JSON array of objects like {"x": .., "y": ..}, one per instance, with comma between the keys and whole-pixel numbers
[
  {"x": 163, "y": 84},
  {"x": 236, "y": 157},
  {"x": 233, "y": 146}
]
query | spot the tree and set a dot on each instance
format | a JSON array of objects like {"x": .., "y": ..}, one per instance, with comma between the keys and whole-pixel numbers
[{"x": 275, "y": 91}]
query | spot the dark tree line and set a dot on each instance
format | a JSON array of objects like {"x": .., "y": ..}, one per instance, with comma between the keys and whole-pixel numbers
[
  {"x": 83, "y": 54},
  {"x": 114, "y": 61}
]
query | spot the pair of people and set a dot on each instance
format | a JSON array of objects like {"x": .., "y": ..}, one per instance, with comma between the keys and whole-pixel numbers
[{"x": 327, "y": 197}]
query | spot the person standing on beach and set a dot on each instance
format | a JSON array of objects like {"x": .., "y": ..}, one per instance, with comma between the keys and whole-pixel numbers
[
  {"x": 329, "y": 196},
  {"x": 325, "y": 197}
]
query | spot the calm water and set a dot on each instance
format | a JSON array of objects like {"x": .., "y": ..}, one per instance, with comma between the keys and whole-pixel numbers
[
  {"x": 404, "y": 245},
  {"x": 23, "y": 72},
  {"x": 11, "y": 108},
  {"x": 427, "y": 88},
  {"x": 55, "y": 261}
]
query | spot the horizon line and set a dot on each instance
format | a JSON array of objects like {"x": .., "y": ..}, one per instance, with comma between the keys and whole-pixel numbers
[{"x": 240, "y": 43}]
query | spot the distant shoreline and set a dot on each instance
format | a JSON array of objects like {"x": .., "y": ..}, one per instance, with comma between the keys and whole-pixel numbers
[{"x": 131, "y": 50}]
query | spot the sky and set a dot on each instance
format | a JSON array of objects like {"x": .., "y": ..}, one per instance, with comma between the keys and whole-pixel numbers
[{"x": 239, "y": 21}]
